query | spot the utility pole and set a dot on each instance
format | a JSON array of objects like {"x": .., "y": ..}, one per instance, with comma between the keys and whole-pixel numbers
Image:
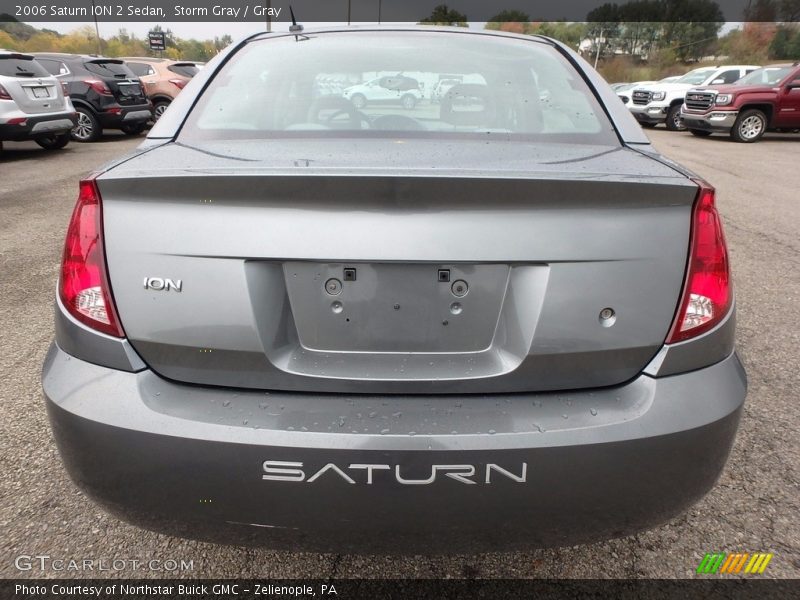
[
  {"x": 348, "y": 12},
  {"x": 379, "y": 12},
  {"x": 269, "y": 16},
  {"x": 597, "y": 54},
  {"x": 96, "y": 30}
]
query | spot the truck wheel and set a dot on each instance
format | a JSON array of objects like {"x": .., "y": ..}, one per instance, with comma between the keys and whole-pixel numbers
[
  {"x": 749, "y": 126},
  {"x": 700, "y": 132},
  {"x": 359, "y": 101},
  {"x": 408, "y": 101},
  {"x": 674, "y": 121}
]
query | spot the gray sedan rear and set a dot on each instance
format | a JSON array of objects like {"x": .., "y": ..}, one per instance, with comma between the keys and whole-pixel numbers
[{"x": 494, "y": 321}]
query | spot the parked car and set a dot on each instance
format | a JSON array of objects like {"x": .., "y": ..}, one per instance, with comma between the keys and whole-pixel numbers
[
  {"x": 442, "y": 87},
  {"x": 33, "y": 105},
  {"x": 765, "y": 100},
  {"x": 624, "y": 90},
  {"x": 661, "y": 103},
  {"x": 106, "y": 94},
  {"x": 392, "y": 89},
  {"x": 163, "y": 79},
  {"x": 489, "y": 325}
]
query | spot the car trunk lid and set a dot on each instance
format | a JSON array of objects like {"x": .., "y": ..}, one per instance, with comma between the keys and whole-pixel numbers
[{"x": 286, "y": 265}]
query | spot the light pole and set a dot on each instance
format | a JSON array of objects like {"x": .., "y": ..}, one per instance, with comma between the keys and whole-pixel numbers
[{"x": 96, "y": 29}]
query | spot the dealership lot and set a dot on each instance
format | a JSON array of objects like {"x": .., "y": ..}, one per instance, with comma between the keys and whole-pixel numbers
[{"x": 752, "y": 509}]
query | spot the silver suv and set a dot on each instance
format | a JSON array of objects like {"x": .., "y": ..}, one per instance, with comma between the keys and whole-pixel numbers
[{"x": 32, "y": 103}]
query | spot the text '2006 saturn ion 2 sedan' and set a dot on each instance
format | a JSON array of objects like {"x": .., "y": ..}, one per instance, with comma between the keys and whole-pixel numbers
[{"x": 495, "y": 321}]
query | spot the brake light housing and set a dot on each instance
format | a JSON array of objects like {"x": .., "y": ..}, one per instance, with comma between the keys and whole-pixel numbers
[
  {"x": 84, "y": 287},
  {"x": 179, "y": 83},
  {"x": 4, "y": 95},
  {"x": 99, "y": 86},
  {"x": 65, "y": 89},
  {"x": 708, "y": 290}
]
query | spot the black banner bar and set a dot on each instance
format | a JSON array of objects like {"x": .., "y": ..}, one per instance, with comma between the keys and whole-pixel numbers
[
  {"x": 371, "y": 11},
  {"x": 346, "y": 589}
]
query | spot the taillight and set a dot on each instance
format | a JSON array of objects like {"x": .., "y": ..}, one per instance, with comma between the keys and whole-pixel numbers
[
  {"x": 65, "y": 89},
  {"x": 98, "y": 86},
  {"x": 4, "y": 95},
  {"x": 180, "y": 83},
  {"x": 84, "y": 287},
  {"x": 707, "y": 293}
]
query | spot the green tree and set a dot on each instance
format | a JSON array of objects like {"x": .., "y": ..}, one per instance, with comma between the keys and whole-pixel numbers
[
  {"x": 442, "y": 15},
  {"x": 570, "y": 34}
]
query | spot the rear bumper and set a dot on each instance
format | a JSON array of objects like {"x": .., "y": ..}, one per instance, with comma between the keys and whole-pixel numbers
[
  {"x": 38, "y": 126},
  {"x": 721, "y": 121},
  {"x": 409, "y": 473},
  {"x": 128, "y": 114}
]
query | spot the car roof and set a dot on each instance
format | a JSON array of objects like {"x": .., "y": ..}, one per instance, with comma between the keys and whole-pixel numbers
[
  {"x": 23, "y": 55},
  {"x": 405, "y": 28},
  {"x": 67, "y": 56}
]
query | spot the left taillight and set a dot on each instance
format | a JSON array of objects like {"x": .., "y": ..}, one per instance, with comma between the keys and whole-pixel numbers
[
  {"x": 708, "y": 291},
  {"x": 84, "y": 288}
]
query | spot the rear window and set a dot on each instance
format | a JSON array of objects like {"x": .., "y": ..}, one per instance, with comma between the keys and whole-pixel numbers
[
  {"x": 54, "y": 67},
  {"x": 765, "y": 76},
  {"x": 140, "y": 69},
  {"x": 326, "y": 85},
  {"x": 11, "y": 66},
  {"x": 185, "y": 69},
  {"x": 109, "y": 68}
]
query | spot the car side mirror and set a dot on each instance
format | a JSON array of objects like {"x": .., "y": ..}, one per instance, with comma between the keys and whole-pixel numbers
[{"x": 718, "y": 82}]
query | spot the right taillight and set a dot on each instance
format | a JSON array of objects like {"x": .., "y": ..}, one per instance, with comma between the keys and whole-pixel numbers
[
  {"x": 99, "y": 86},
  {"x": 84, "y": 288},
  {"x": 65, "y": 89},
  {"x": 4, "y": 95},
  {"x": 707, "y": 293}
]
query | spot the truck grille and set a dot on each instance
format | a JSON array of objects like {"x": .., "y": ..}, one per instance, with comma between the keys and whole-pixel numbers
[
  {"x": 641, "y": 97},
  {"x": 699, "y": 100}
]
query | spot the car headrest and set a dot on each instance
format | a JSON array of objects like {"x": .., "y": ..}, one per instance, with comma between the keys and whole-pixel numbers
[{"x": 468, "y": 104}]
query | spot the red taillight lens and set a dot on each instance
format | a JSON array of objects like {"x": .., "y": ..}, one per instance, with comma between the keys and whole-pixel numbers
[
  {"x": 4, "y": 95},
  {"x": 98, "y": 86},
  {"x": 65, "y": 89},
  {"x": 84, "y": 287},
  {"x": 707, "y": 293},
  {"x": 180, "y": 83}
]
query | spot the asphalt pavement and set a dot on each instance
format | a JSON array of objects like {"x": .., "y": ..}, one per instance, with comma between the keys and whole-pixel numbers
[{"x": 754, "y": 507}]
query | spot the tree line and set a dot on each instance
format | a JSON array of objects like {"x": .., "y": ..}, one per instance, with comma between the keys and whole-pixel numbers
[{"x": 25, "y": 38}]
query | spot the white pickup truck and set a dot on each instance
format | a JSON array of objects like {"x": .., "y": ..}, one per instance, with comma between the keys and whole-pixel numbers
[{"x": 661, "y": 102}]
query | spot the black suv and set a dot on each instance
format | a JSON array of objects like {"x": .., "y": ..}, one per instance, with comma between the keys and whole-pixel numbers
[{"x": 105, "y": 92}]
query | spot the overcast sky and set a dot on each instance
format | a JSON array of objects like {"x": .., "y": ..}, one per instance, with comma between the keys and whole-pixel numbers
[{"x": 207, "y": 31}]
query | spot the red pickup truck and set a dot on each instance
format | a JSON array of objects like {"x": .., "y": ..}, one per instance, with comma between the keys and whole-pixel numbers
[{"x": 765, "y": 100}]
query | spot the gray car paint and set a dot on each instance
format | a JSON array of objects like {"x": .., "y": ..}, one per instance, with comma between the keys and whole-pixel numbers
[
  {"x": 600, "y": 463},
  {"x": 603, "y": 461}
]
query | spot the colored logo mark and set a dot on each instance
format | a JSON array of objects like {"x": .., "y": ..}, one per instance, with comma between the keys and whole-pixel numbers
[{"x": 737, "y": 562}]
